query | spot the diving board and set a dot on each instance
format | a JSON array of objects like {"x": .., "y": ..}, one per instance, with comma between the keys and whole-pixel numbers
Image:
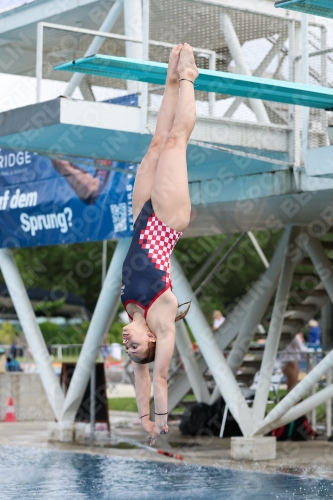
[
  {"x": 209, "y": 81},
  {"x": 322, "y": 8}
]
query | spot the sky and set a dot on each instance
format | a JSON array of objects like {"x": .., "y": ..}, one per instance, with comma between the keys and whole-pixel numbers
[{"x": 11, "y": 4}]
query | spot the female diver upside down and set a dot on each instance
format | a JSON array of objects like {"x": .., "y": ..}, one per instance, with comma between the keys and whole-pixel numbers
[{"x": 160, "y": 194}]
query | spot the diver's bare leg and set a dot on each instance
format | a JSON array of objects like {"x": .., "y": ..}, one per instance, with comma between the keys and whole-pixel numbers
[
  {"x": 170, "y": 196},
  {"x": 146, "y": 173}
]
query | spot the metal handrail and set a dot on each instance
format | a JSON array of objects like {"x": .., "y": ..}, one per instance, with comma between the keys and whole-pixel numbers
[
  {"x": 316, "y": 53},
  {"x": 212, "y": 55},
  {"x": 115, "y": 36}
]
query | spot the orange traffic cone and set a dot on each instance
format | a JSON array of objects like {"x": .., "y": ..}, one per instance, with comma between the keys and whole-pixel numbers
[{"x": 10, "y": 413}]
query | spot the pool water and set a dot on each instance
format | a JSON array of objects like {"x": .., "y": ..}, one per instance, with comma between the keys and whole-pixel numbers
[{"x": 31, "y": 473}]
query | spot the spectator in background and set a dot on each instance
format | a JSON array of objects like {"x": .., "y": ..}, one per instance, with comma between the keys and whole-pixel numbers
[
  {"x": 13, "y": 365},
  {"x": 290, "y": 356},
  {"x": 13, "y": 350},
  {"x": 105, "y": 351},
  {"x": 314, "y": 332},
  {"x": 218, "y": 319}
]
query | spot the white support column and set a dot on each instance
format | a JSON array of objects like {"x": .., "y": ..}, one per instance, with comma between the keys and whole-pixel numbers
[
  {"x": 211, "y": 352},
  {"x": 86, "y": 91},
  {"x": 301, "y": 408},
  {"x": 235, "y": 319},
  {"x": 321, "y": 263},
  {"x": 219, "y": 264},
  {"x": 255, "y": 314},
  {"x": 103, "y": 315},
  {"x": 193, "y": 372},
  {"x": 305, "y": 79},
  {"x": 210, "y": 260},
  {"x": 294, "y": 396},
  {"x": 261, "y": 293},
  {"x": 104, "y": 259},
  {"x": 133, "y": 29},
  {"x": 329, "y": 406},
  {"x": 323, "y": 80},
  {"x": 258, "y": 72},
  {"x": 31, "y": 330},
  {"x": 235, "y": 48},
  {"x": 145, "y": 56},
  {"x": 324, "y": 269},
  {"x": 212, "y": 95},
  {"x": 274, "y": 332},
  {"x": 39, "y": 61},
  {"x": 314, "y": 412},
  {"x": 291, "y": 108},
  {"x": 258, "y": 249},
  {"x": 297, "y": 109},
  {"x": 96, "y": 44},
  {"x": 242, "y": 319},
  {"x": 313, "y": 391}
]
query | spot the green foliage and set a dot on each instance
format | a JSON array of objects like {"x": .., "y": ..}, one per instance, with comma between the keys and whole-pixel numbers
[
  {"x": 58, "y": 334},
  {"x": 75, "y": 334},
  {"x": 7, "y": 333},
  {"x": 64, "y": 269},
  {"x": 236, "y": 275},
  {"x": 115, "y": 333},
  {"x": 49, "y": 308},
  {"x": 77, "y": 269}
]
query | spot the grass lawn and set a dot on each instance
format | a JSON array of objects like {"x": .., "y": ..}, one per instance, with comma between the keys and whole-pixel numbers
[
  {"x": 65, "y": 359},
  {"x": 122, "y": 404},
  {"x": 129, "y": 404}
]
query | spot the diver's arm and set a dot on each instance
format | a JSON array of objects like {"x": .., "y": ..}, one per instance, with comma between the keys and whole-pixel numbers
[
  {"x": 142, "y": 393},
  {"x": 162, "y": 323},
  {"x": 163, "y": 355}
]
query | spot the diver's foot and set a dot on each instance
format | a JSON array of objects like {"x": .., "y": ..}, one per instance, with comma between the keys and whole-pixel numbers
[
  {"x": 186, "y": 67},
  {"x": 172, "y": 76}
]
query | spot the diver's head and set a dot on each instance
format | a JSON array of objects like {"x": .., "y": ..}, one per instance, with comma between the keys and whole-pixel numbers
[{"x": 139, "y": 341}]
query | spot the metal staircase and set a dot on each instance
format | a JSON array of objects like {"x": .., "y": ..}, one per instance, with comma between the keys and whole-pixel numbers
[{"x": 307, "y": 297}]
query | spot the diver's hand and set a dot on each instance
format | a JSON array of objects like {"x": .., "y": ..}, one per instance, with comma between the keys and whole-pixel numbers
[
  {"x": 148, "y": 425},
  {"x": 156, "y": 431}
]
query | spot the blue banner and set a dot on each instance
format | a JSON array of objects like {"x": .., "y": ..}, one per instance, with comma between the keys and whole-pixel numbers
[{"x": 45, "y": 201}]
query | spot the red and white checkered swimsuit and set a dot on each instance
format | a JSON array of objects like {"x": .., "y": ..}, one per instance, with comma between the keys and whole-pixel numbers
[{"x": 146, "y": 272}]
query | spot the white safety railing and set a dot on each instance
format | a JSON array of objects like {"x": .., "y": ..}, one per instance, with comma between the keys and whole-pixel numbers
[
  {"x": 144, "y": 101},
  {"x": 294, "y": 55}
]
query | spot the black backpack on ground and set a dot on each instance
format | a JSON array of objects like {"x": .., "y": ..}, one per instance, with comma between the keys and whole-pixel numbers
[
  {"x": 202, "y": 419},
  {"x": 194, "y": 419}
]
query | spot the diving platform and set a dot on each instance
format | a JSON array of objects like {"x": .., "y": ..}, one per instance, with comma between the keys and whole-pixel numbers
[
  {"x": 322, "y": 8},
  {"x": 319, "y": 162},
  {"x": 233, "y": 187},
  {"x": 221, "y": 82},
  {"x": 99, "y": 130}
]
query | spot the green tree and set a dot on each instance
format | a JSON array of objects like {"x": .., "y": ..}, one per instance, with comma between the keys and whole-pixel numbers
[
  {"x": 7, "y": 333},
  {"x": 64, "y": 269},
  {"x": 77, "y": 269},
  {"x": 115, "y": 333},
  {"x": 49, "y": 308},
  {"x": 63, "y": 334},
  {"x": 236, "y": 275}
]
